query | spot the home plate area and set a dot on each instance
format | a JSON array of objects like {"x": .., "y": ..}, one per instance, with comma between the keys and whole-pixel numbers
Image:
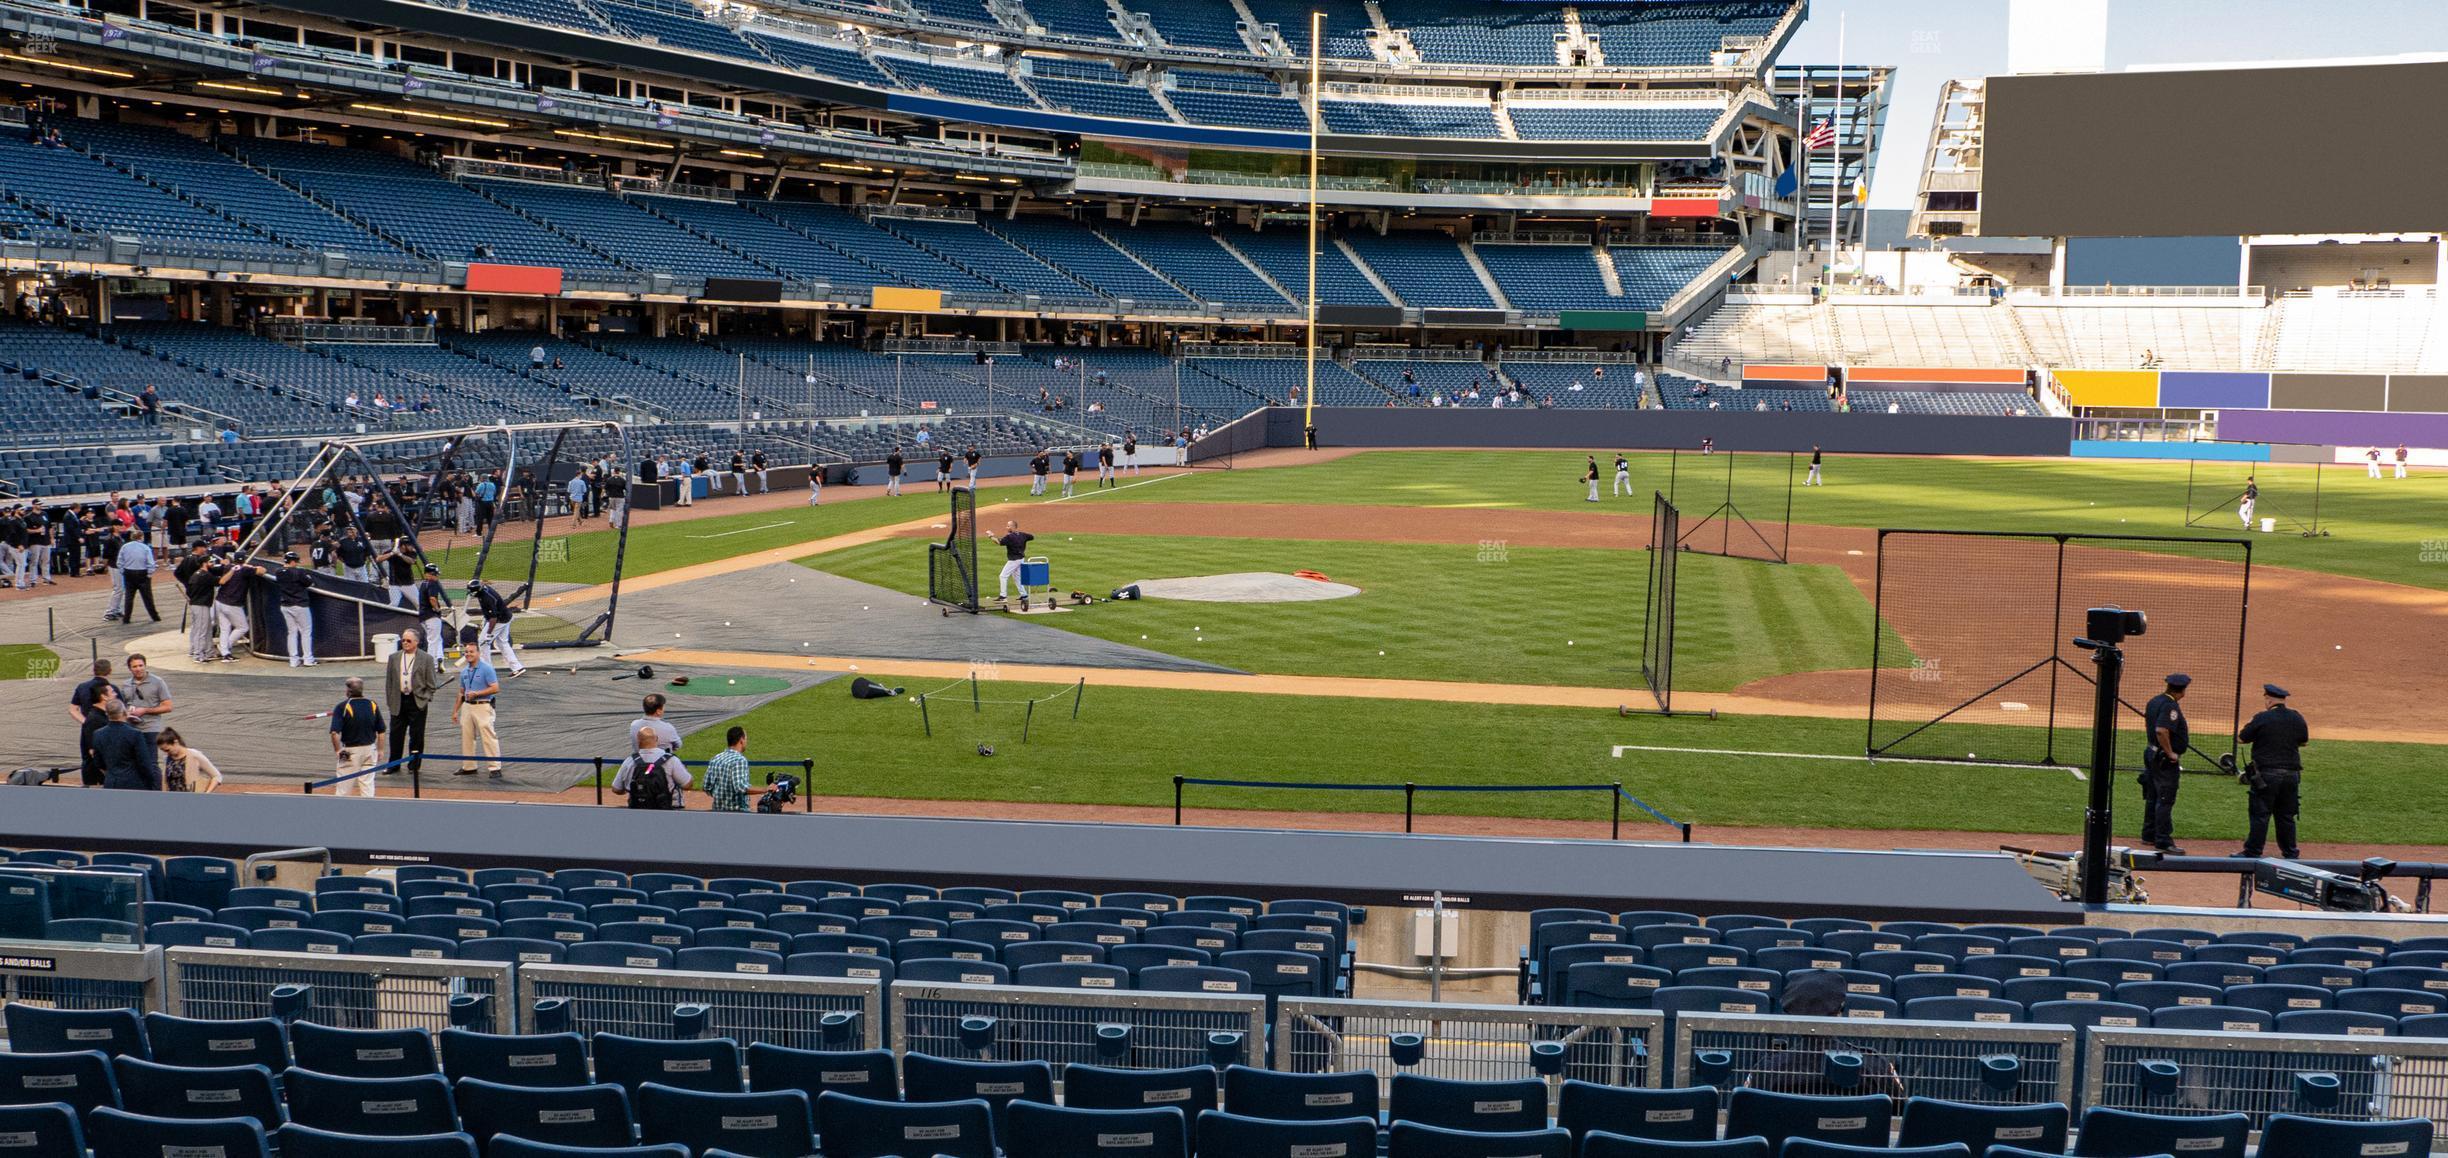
[{"x": 1246, "y": 587}]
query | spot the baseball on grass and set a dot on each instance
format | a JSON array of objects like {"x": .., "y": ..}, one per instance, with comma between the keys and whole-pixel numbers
[{"x": 730, "y": 681}]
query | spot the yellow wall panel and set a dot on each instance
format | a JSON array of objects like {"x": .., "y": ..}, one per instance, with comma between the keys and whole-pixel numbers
[{"x": 2111, "y": 387}]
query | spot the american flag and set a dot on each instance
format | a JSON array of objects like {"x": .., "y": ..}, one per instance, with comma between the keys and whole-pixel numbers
[{"x": 1821, "y": 135}]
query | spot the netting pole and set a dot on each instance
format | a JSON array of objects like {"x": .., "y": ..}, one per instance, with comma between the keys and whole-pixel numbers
[
  {"x": 1615, "y": 820},
  {"x": 1725, "y": 514},
  {"x": 1878, "y": 615},
  {"x": 1027, "y": 717},
  {"x": 923, "y": 720},
  {"x": 2317, "y": 469},
  {"x": 1410, "y": 793},
  {"x": 1177, "y": 801},
  {"x": 599, "y": 782},
  {"x": 807, "y": 784},
  {"x": 1077, "y": 694},
  {"x": 974, "y": 709},
  {"x": 1785, "y": 549},
  {"x": 2048, "y": 749}
]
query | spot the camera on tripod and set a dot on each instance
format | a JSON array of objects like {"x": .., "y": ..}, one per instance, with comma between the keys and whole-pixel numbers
[{"x": 2110, "y": 626}]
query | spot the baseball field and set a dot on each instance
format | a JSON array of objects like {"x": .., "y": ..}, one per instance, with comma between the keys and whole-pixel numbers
[{"x": 1498, "y": 625}]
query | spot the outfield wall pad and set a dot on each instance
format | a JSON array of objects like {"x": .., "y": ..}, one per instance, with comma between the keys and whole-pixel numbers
[
  {"x": 1363, "y": 868},
  {"x": 1665, "y": 429}
]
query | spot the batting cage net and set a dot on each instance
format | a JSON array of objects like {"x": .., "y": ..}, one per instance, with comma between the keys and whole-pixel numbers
[
  {"x": 1658, "y": 605},
  {"x": 545, "y": 546},
  {"x": 2285, "y": 496},
  {"x": 1976, "y": 628},
  {"x": 952, "y": 582},
  {"x": 1734, "y": 503}
]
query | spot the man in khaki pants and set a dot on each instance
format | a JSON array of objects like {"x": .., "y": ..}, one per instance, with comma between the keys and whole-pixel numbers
[
  {"x": 357, "y": 738},
  {"x": 473, "y": 712}
]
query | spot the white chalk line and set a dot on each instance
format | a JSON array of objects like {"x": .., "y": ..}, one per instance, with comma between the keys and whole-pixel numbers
[
  {"x": 1080, "y": 494},
  {"x": 1620, "y": 749},
  {"x": 748, "y": 530}
]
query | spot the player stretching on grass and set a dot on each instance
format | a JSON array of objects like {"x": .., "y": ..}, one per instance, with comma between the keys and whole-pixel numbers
[
  {"x": 1623, "y": 475},
  {"x": 1591, "y": 477},
  {"x": 1814, "y": 480},
  {"x": 2252, "y": 496}
]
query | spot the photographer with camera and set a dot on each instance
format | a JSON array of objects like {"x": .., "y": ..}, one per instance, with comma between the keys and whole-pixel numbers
[
  {"x": 726, "y": 775},
  {"x": 2275, "y": 773},
  {"x": 2163, "y": 722}
]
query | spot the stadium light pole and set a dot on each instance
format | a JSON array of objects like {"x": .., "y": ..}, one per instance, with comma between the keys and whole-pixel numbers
[{"x": 1317, "y": 22}]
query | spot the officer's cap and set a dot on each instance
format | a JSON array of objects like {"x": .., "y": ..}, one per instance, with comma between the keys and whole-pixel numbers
[
  {"x": 2179, "y": 680},
  {"x": 2273, "y": 691}
]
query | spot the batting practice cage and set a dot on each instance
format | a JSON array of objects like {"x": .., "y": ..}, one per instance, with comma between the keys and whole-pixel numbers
[
  {"x": 565, "y": 584},
  {"x": 952, "y": 574},
  {"x": 1977, "y": 628},
  {"x": 1738, "y": 504},
  {"x": 1658, "y": 603},
  {"x": 2286, "y": 495}
]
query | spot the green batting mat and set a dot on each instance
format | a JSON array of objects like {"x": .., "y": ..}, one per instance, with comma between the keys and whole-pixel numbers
[{"x": 720, "y": 685}]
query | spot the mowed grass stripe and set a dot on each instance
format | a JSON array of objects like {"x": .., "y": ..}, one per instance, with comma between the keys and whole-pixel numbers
[{"x": 1561, "y": 616}]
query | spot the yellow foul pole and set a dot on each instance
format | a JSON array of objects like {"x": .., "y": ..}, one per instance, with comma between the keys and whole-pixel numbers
[{"x": 1317, "y": 21}]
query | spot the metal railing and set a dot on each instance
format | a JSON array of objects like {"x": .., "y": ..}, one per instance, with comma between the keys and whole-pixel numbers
[
  {"x": 1929, "y": 1059},
  {"x": 2229, "y": 292},
  {"x": 1613, "y": 1047},
  {"x": 778, "y": 1010},
  {"x": 59, "y": 976},
  {"x": 1161, "y": 1030},
  {"x": 2260, "y": 1074},
  {"x": 349, "y": 992}
]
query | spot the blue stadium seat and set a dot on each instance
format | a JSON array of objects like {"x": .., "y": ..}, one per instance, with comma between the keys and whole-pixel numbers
[
  {"x": 618, "y": 955},
  {"x": 2084, "y": 1014},
  {"x": 2216, "y": 1018},
  {"x": 405, "y": 945},
  {"x": 200, "y": 934},
  {"x": 2112, "y": 1133},
  {"x": 509, "y": 1146},
  {"x": 1989, "y": 1009},
  {"x": 35, "y": 1029},
  {"x": 1807, "y": 1148},
  {"x": 1143, "y": 957},
  {"x": 927, "y": 1078},
  {"x": 1414, "y": 1140},
  {"x": 867, "y": 1073},
  {"x": 295, "y": 1141},
  {"x": 202, "y": 881},
  {"x": 362, "y": 1053},
  {"x": 660, "y": 933},
  {"x": 2393, "y": 1002},
  {"x": 534, "y": 1059},
  {"x": 93, "y": 931},
  {"x": 118, "y": 1134},
  {"x": 81, "y": 1079},
  {"x": 953, "y": 971},
  {"x": 1931, "y": 1122},
  {"x": 182, "y": 1041},
  {"x": 2295, "y": 1136},
  {"x": 588, "y": 1116},
  {"x": 850, "y": 966},
  {"x": 2277, "y": 999},
  {"x": 1289, "y": 1097},
  {"x": 1192, "y": 1090},
  {"x": 354, "y": 923},
  {"x": 513, "y": 950},
  {"x": 701, "y": 959},
  {"x": 42, "y": 1130},
  {"x": 1708, "y": 999},
  {"x": 1673, "y": 1115},
  {"x": 1192, "y": 979},
  {"x": 708, "y": 1065},
  {"x": 868, "y": 1128},
  {"x": 768, "y": 1125},
  {"x": 389, "y": 1107},
  {"x": 1068, "y": 975},
  {"x": 450, "y": 906},
  {"x": 541, "y": 907},
  {"x": 659, "y": 882},
  {"x": 922, "y": 948},
  {"x": 1606, "y": 1145},
  {"x": 1044, "y": 1131},
  {"x": 358, "y": 900},
  {"x": 2336, "y": 1022},
  {"x": 1854, "y": 1121},
  {"x": 2217, "y": 974},
  {"x": 152, "y": 913},
  {"x": 1469, "y": 1106},
  {"x": 205, "y": 1092}
]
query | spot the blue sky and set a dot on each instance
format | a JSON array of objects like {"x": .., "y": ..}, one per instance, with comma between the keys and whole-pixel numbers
[{"x": 1933, "y": 41}]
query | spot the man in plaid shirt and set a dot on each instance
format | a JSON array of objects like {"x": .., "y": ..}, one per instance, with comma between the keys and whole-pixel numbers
[{"x": 726, "y": 775}]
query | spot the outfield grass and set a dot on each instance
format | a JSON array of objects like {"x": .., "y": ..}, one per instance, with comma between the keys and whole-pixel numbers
[
  {"x": 19, "y": 661},
  {"x": 1128, "y": 743},
  {"x": 1446, "y": 612},
  {"x": 2379, "y": 527}
]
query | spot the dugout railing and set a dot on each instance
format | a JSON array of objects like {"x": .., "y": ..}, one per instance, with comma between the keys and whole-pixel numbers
[
  {"x": 1612, "y": 1047},
  {"x": 1613, "y": 790}
]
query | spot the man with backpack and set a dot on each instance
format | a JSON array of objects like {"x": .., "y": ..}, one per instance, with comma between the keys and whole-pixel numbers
[{"x": 652, "y": 777}]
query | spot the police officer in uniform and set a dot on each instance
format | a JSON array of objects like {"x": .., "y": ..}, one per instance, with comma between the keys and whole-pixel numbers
[
  {"x": 2275, "y": 775},
  {"x": 2166, "y": 739}
]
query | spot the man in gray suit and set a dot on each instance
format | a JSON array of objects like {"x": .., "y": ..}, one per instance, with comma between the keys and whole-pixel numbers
[{"x": 410, "y": 678}]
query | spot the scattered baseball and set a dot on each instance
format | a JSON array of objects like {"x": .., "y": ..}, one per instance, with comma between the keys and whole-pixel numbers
[
  {"x": 1381, "y": 653},
  {"x": 1568, "y": 643},
  {"x": 730, "y": 681},
  {"x": 2339, "y": 647},
  {"x": 1971, "y": 755}
]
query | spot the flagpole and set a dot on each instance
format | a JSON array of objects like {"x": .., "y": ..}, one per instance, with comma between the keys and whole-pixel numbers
[
  {"x": 1317, "y": 33},
  {"x": 1802, "y": 152},
  {"x": 1836, "y": 151}
]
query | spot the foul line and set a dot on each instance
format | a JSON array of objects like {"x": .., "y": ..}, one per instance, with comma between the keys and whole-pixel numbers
[
  {"x": 1620, "y": 749},
  {"x": 747, "y": 530},
  {"x": 1079, "y": 494}
]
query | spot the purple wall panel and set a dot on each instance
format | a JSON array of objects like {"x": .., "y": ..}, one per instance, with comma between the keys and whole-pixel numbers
[{"x": 2334, "y": 427}]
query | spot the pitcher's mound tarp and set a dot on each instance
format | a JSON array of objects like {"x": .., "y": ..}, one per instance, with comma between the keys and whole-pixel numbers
[{"x": 1246, "y": 587}]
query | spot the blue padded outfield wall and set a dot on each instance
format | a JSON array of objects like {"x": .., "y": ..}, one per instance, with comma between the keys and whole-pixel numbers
[{"x": 1669, "y": 429}]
